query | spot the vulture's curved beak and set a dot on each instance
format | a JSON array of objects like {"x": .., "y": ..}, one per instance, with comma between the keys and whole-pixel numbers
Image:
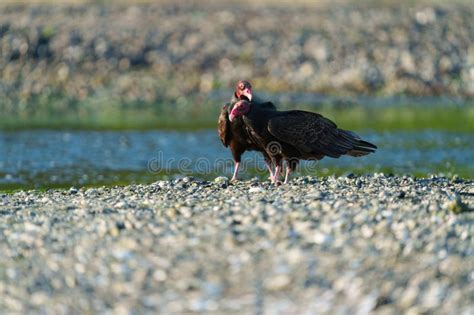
[
  {"x": 248, "y": 93},
  {"x": 231, "y": 116}
]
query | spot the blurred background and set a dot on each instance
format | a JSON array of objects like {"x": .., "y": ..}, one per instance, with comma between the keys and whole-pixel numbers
[{"x": 108, "y": 92}]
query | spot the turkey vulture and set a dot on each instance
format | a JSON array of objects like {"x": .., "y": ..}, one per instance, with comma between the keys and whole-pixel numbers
[
  {"x": 233, "y": 135},
  {"x": 295, "y": 135},
  {"x": 243, "y": 91}
]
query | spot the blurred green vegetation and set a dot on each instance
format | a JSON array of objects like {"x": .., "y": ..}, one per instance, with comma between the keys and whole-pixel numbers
[{"x": 98, "y": 114}]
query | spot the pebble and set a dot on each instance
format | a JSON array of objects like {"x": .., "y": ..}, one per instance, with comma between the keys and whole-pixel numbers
[
  {"x": 254, "y": 190},
  {"x": 456, "y": 205},
  {"x": 278, "y": 283},
  {"x": 193, "y": 246}
]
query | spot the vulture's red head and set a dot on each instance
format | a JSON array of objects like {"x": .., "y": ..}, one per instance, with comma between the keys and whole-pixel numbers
[
  {"x": 240, "y": 108},
  {"x": 243, "y": 90}
]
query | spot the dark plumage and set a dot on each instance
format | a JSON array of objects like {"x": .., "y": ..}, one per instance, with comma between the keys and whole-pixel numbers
[
  {"x": 233, "y": 134},
  {"x": 295, "y": 135}
]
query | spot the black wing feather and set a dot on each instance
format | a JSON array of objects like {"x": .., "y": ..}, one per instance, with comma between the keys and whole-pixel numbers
[
  {"x": 267, "y": 106},
  {"x": 313, "y": 134}
]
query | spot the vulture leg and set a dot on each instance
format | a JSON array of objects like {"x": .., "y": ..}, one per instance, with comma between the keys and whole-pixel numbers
[
  {"x": 269, "y": 167},
  {"x": 237, "y": 152},
  {"x": 268, "y": 163},
  {"x": 288, "y": 172},
  {"x": 291, "y": 165},
  {"x": 276, "y": 175},
  {"x": 236, "y": 171}
]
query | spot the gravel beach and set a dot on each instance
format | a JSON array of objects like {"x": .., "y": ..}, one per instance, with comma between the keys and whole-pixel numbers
[{"x": 347, "y": 245}]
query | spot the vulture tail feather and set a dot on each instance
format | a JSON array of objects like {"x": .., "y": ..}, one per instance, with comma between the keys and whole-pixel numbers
[{"x": 359, "y": 147}]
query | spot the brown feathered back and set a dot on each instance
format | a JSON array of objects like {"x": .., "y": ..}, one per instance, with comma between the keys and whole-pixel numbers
[{"x": 223, "y": 126}]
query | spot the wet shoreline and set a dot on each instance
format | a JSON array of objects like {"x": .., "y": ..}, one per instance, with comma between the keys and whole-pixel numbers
[{"x": 46, "y": 159}]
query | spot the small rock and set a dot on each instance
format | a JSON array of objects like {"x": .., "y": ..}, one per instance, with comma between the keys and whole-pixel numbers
[
  {"x": 92, "y": 192},
  {"x": 278, "y": 283},
  {"x": 254, "y": 190},
  {"x": 222, "y": 181},
  {"x": 456, "y": 205}
]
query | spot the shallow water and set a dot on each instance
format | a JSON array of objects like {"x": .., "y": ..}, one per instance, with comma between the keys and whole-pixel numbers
[{"x": 41, "y": 159}]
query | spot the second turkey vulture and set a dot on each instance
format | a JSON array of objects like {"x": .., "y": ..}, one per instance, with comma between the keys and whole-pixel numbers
[
  {"x": 233, "y": 135},
  {"x": 243, "y": 91},
  {"x": 295, "y": 135}
]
